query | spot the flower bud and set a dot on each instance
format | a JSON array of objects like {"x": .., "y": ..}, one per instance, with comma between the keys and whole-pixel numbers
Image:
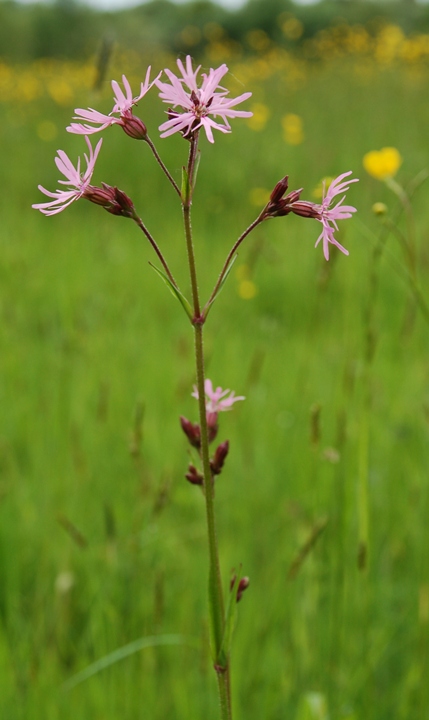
[
  {"x": 217, "y": 462},
  {"x": 242, "y": 586},
  {"x": 306, "y": 209},
  {"x": 280, "y": 205},
  {"x": 194, "y": 476},
  {"x": 279, "y": 190},
  {"x": 212, "y": 426},
  {"x": 111, "y": 199},
  {"x": 192, "y": 432},
  {"x": 133, "y": 126}
]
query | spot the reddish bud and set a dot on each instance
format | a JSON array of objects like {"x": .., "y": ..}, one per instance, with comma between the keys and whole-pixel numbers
[
  {"x": 111, "y": 199},
  {"x": 212, "y": 426},
  {"x": 192, "y": 432},
  {"x": 242, "y": 586},
  {"x": 194, "y": 476},
  {"x": 217, "y": 462},
  {"x": 133, "y": 126},
  {"x": 279, "y": 190},
  {"x": 279, "y": 203},
  {"x": 306, "y": 209}
]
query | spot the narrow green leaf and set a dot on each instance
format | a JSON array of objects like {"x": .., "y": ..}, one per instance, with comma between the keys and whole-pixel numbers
[
  {"x": 126, "y": 651},
  {"x": 221, "y": 284},
  {"x": 175, "y": 291},
  {"x": 230, "y": 620},
  {"x": 196, "y": 166}
]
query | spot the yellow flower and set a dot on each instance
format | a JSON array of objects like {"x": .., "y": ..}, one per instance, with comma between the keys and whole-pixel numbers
[
  {"x": 292, "y": 129},
  {"x": 382, "y": 164}
]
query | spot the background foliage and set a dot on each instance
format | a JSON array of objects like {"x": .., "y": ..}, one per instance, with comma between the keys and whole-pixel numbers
[{"x": 69, "y": 29}]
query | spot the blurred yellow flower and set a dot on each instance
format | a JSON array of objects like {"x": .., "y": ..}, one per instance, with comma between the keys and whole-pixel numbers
[
  {"x": 247, "y": 289},
  {"x": 379, "y": 208},
  {"x": 259, "y": 196},
  {"x": 293, "y": 132},
  {"x": 60, "y": 91},
  {"x": 261, "y": 113},
  {"x": 382, "y": 164},
  {"x": 292, "y": 28}
]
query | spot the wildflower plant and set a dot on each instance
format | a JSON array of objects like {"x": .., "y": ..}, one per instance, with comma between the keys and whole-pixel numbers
[{"x": 195, "y": 104}]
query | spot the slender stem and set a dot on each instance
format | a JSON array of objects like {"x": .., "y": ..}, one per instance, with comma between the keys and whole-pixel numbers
[
  {"x": 231, "y": 254},
  {"x": 406, "y": 204},
  {"x": 152, "y": 241},
  {"x": 410, "y": 275},
  {"x": 217, "y": 610},
  {"x": 161, "y": 164},
  {"x": 187, "y": 203}
]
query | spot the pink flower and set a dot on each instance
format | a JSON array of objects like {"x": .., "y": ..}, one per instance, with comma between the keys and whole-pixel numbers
[
  {"x": 199, "y": 103},
  {"x": 123, "y": 107},
  {"x": 216, "y": 400},
  {"x": 329, "y": 216},
  {"x": 80, "y": 182},
  {"x": 324, "y": 213}
]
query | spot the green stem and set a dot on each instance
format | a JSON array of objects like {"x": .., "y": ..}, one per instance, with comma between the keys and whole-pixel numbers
[
  {"x": 217, "y": 610},
  {"x": 161, "y": 164},
  {"x": 143, "y": 228},
  {"x": 230, "y": 256}
]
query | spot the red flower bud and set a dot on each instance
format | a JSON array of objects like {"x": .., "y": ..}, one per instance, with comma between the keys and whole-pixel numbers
[
  {"x": 242, "y": 586},
  {"x": 133, "y": 126},
  {"x": 194, "y": 476},
  {"x": 111, "y": 199},
  {"x": 192, "y": 432},
  {"x": 212, "y": 426},
  {"x": 279, "y": 190},
  {"x": 217, "y": 462}
]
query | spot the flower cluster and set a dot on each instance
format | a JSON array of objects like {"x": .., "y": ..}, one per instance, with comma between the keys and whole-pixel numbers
[
  {"x": 192, "y": 106},
  {"x": 281, "y": 204},
  {"x": 216, "y": 400},
  {"x": 198, "y": 103}
]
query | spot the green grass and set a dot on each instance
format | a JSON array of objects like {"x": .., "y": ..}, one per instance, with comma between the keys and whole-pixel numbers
[{"x": 89, "y": 335}]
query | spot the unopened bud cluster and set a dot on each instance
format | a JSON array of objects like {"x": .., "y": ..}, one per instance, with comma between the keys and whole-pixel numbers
[
  {"x": 193, "y": 433},
  {"x": 111, "y": 199},
  {"x": 281, "y": 204}
]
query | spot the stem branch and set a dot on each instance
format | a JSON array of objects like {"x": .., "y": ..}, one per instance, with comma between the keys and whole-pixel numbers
[
  {"x": 155, "y": 246},
  {"x": 161, "y": 164}
]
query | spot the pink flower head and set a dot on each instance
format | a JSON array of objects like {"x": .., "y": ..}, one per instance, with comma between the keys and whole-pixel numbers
[
  {"x": 329, "y": 216},
  {"x": 199, "y": 103},
  {"x": 216, "y": 400},
  {"x": 324, "y": 213},
  {"x": 79, "y": 182},
  {"x": 124, "y": 102}
]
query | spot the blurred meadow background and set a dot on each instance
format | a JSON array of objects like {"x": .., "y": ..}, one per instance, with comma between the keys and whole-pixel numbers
[{"x": 324, "y": 498}]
